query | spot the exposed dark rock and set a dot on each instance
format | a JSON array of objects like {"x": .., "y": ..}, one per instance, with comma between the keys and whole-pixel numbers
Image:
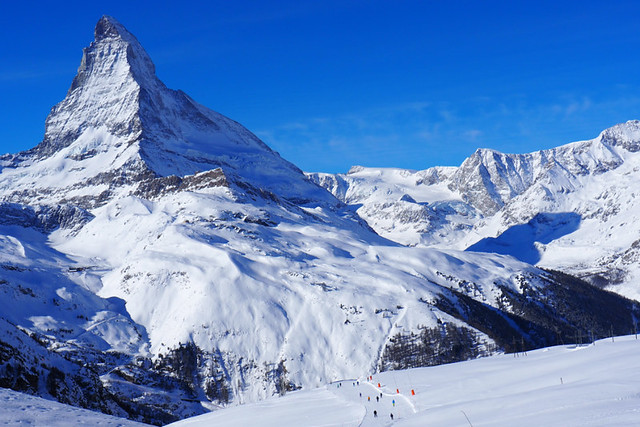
[
  {"x": 566, "y": 310},
  {"x": 43, "y": 218},
  {"x": 160, "y": 186},
  {"x": 26, "y": 365}
]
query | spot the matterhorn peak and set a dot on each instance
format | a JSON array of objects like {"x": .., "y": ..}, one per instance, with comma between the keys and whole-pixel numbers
[
  {"x": 109, "y": 27},
  {"x": 120, "y": 125},
  {"x": 105, "y": 92},
  {"x": 114, "y": 51}
]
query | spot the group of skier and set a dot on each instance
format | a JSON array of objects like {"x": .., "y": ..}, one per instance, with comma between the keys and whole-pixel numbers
[
  {"x": 378, "y": 397},
  {"x": 375, "y": 412}
]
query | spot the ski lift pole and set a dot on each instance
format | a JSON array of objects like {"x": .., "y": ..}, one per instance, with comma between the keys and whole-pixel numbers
[
  {"x": 413, "y": 393},
  {"x": 393, "y": 375}
]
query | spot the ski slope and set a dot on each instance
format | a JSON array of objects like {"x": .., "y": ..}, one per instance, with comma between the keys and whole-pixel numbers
[{"x": 590, "y": 385}]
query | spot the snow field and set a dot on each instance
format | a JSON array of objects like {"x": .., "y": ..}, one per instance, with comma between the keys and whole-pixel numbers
[
  {"x": 290, "y": 283},
  {"x": 591, "y": 385},
  {"x": 18, "y": 409}
]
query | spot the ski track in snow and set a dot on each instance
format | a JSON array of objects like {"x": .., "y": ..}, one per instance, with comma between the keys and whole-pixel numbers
[{"x": 589, "y": 385}]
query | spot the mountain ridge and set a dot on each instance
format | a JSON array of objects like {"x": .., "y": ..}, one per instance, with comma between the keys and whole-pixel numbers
[{"x": 498, "y": 191}]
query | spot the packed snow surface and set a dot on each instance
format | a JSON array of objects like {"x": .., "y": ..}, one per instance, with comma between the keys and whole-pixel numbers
[
  {"x": 19, "y": 409},
  {"x": 589, "y": 385}
]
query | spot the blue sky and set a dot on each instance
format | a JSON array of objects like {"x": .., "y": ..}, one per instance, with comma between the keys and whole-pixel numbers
[{"x": 330, "y": 84}]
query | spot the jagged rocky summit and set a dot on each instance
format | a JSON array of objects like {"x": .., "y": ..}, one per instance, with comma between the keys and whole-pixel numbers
[
  {"x": 120, "y": 129},
  {"x": 177, "y": 264}
]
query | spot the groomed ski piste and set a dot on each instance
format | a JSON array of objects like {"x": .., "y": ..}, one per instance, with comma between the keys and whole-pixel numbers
[{"x": 568, "y": 385}]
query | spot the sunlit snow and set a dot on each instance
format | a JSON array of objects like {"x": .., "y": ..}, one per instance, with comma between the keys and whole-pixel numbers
[{"x": 590, "y": 385}]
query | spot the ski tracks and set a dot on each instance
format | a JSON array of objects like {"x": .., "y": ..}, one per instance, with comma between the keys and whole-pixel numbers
[{"x": 365, "y": 392}]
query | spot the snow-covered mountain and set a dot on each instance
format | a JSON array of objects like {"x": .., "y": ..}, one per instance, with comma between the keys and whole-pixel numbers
[
  {"x": 409, "y": 207},
  {"x": 571, "y": 208},
  {"x": 119, "y": 128},
  {"x": 169, "y": 251}
]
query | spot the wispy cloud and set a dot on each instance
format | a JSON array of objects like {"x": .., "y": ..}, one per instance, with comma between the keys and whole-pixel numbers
[
  {"x": 383, "y": 136},
  {"x": 421, "y": 134},
  {"x": 472, "y": 134},
  {"x": 572, "y": 106},
  {"x": 10, "y": 76}
]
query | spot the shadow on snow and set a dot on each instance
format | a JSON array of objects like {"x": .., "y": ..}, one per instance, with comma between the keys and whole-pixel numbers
[{"x": 520, "y": 240}]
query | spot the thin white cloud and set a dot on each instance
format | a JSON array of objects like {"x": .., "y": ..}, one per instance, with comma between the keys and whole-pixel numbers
[{"x": 421, "y": 134}]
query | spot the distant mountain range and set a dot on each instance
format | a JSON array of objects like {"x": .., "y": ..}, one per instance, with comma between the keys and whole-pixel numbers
[
  {"x": 157, "y": 260},
  {"x": 571, "y": 208}
]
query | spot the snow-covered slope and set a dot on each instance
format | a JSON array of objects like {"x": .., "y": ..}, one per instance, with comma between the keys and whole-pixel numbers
[
  {"x": 409, "y": 207},
  {"x": 591, "y": 385},
  {"x": 188, "y": 266},
  {"x": 571, "y": 208},
  {"x": 19, "y": 409},
  {"x": 597, "y": 205},
  {"x": 254, "y": 283},
  {"x": 46, "y": 292}
]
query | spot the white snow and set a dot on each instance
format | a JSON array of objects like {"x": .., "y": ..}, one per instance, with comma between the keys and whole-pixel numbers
[
  {"x": 487, "y": 204},
  {"x": 19, "y": 409},
  {"x": 267, "y": 294},
  {"x": 39, "y": 292},
  {"x": 409, "y": 207},
  {"x": 589, "y": 385}
]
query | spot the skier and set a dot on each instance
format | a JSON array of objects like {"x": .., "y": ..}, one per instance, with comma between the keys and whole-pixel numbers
[
  {"x": 377, "y": 399},
  {"x": 391, "y": 417},
  {"x": 393, "y": 402},
  {"x": 375, "y": 414},
  {"x": 368, "y": 398}
]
